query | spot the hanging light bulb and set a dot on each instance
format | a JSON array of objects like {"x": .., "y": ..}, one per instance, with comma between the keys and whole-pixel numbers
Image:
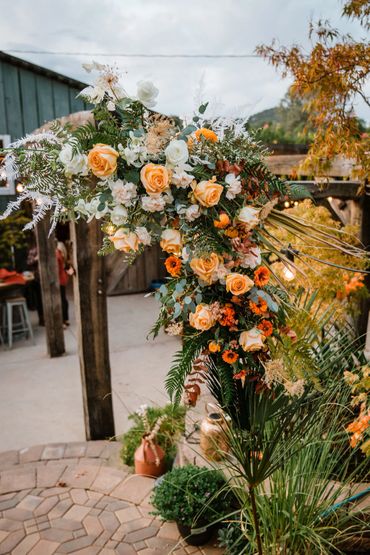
[
  {"x": 296, "y": 203},
  {"x": 289, "y": 273},
  {"x": 330, "y": 199},
  {"x": 20, "y": 188},
  {"x": 287, "y": 204}
]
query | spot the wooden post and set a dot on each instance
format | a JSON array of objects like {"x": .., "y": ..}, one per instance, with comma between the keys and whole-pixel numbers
[
  {"x": 365, "y": 238},
  {"x": 92, "y": 329},
  {"x": 50, "y": 289}
]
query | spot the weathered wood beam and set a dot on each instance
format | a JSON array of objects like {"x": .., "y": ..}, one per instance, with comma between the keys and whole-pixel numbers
[
  {"x": 287, "y": 164},
  {"x": 335, "y": 189},
  {"x": 50, "y": 289},
  {"x": 92, "y": 328}
]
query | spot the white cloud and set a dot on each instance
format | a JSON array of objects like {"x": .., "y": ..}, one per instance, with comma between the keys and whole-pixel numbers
[{"x": 171, "y": 26}]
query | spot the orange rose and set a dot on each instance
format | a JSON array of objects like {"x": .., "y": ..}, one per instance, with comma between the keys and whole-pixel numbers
[
  {"x": 206, "y": 267},
  {"x": 102, "y": 160},
  {"x": 155, "y": 178},
  {"x": 202, "y": 319},
  {"x": 222, "y": 222},
  {"x": 171, "y": 241},
  {"x": 208, "y": 134},
  {"x": 238, "y": 284},
  {"x": 208, "y": 193},
  {"x": 125, "y": 240}
]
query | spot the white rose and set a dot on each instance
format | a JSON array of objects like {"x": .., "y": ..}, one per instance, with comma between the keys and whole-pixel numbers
[
  {"x": 252, "y": 259},
  {"x": 144, "y": 235},
  {"x": 249, "y": 217},
  {"x": 153, "y": 204},
  {"x": 192, "y": 213},
  {"x": 181, "y": 179},
  {"x": 147, "y": 93},
  {"x": 123, "y": 193},
  {"x": 252, "y": 340},
  {"x": 73, "y": 163},
  {"x": 234, "y": 186},
  {"x": 176, "y": 153},
  {"x": 118, "y": 215}
]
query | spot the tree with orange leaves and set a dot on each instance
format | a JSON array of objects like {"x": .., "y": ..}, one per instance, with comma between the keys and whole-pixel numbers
[{"x": 329, "y": 80}]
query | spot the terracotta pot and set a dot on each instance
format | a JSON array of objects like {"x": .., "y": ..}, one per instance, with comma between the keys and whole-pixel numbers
[
  {"x": 149, "y": 459},
  {"x": 198, "y": 536}
]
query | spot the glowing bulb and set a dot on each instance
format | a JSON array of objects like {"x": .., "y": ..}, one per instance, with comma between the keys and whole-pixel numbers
[
  {"x": 288, "y": 273},
  {"x": 20, "y": 188},
  {"x": 110, "y": 229},
  {"x": 330, "y": 199},
  {"x": 287, "y": 204},
  {"x": 296, "y": 203}
]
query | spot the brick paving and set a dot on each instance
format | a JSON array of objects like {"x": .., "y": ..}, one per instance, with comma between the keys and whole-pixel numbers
[{"x": 79, "y": 498}]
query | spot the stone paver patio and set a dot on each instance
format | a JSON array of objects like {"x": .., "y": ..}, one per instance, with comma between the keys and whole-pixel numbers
[{"x": 78, "y": 498}]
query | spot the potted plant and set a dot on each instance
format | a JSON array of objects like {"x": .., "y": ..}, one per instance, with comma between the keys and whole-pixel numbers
[{"x": 193, "y": 497}]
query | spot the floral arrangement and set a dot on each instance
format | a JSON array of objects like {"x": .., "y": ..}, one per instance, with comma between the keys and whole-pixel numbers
[
  {"x": 202, "y": 191},
  {"x": 360, "y": 427}
]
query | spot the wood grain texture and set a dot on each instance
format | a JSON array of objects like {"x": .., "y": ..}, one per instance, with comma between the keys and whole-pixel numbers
[
  {"x": 92, "y": 329},
  {"x": 50, "y": 289}
]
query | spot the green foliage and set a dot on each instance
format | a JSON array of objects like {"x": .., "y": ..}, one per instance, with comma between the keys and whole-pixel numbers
[
  {"x": 12, "y": 235},
  {"x": 172, "y": 427},
  {"x": 191, "y": 495}
]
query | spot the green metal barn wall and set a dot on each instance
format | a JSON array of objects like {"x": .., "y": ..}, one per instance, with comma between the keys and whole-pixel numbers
[{"x": 30, "y": 96}]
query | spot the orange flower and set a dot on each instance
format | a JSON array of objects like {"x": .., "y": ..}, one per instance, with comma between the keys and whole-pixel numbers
[
  {"x": 230, "y": 357},
  {"x": 173, "y": 266},
  {"x": 214, "y": 347},
  {"x": 232, "y": 232},
  {"x": 222, "y": 222},
  {"x": 227, "y": 317},
  {"x": 266, "y": 327},
  {"x": 102, "y": 160},
  {"x": 240, "y": 375},
  {"x": 208, "y": 134},
  {"x": 357, "y": 428},
  {"x": 258, "y": 308},
  {"x": 261, "y": 276}
]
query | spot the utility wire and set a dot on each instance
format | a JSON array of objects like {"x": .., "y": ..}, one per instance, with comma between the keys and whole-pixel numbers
[{"x": 123, "y": 55}]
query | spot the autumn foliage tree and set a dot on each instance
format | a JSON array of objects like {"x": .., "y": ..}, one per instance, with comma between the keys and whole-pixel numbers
[{"x": 330, "y": 79}]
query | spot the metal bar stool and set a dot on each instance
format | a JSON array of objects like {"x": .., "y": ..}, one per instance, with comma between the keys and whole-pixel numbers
[{"x": 24, "y": 324}]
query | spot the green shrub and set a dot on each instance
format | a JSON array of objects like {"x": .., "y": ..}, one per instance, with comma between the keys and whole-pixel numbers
[
  {"x": 191, "y": 495},
  {"x": 170, "y": 431}
]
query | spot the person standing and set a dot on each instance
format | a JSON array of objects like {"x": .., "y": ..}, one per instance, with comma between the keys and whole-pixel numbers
[{"x": 63, "y": 273}]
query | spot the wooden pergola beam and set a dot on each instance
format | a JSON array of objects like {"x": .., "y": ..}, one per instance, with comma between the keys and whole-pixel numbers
[
  {"x": 92, "y": 329},
  {"x": 50, "y": 288},
  {"x": 346, "y": 190}
]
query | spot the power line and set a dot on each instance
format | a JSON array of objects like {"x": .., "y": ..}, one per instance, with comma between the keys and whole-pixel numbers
[{"x": 124, "y": 55}]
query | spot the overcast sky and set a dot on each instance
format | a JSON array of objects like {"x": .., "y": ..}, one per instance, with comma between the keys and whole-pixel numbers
[{"x": 171, "y": 26}]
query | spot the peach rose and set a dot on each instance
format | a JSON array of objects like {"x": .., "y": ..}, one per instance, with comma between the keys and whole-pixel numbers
[
  {"x": 171, "y": 241},
  {"x": 206, "y": 267},
  {"x": 202, "y": 319},
  {"x": 252, "y": 340},
  {"x": 102, "y": 160},
  {"x": 238, "y": 284},
  {"x": 155, "y": 178},
  {"x": 208, "y": 193},
  {"x": 124, "y": 240}
]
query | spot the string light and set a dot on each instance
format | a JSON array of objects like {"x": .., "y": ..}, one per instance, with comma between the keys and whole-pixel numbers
[
  {"x": 296, "y": 203},
  {"x": 330, "y": 199},
  {"x": 20, "y": 188},
  {"x": 288, "y": 273},
  {"x": 287, "y": 204}
]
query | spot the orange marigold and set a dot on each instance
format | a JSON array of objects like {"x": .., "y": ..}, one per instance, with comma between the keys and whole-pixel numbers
[
  {"x": 222, "y": 222},
  {"x": 227, "y": 317},
  {"x": 230, "y": 357},
  {"x": 214, "y": 347},
  {"x": 173, "y": 265},
  {"x": 232, "y": 232},
  {"x": 258, "y": 308},
  {"x": 240, "y": 375},
  {"x": 266, "y": 327},
  {"x": 208, "y": 134},
  {"x": 262, "y": 276}
]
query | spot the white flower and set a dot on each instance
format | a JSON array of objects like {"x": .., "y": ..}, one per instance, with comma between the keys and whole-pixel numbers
[
  {"x": 123, "y": 192},
  {"x": 185, "y": 254},
  {"x": 153, "y": 204},
  {"x": 93, "y": 94},
  {"x": 234, "y": 186},
  {"x": 135, "y": 152},
  {"x": 147, "y": 93},
  {"x": 220, "y": 274},
  {"x": 144, "y": 235},
  {"x": 252, "y": 259},
  {"x": 168, "y": 197},
  {"x": 248, "y": 216},
  {"x": 192, "y": 213},
  {"x": 118, "y": 215},
  {"x": 111, "y": 106},
  {"x": 181, "y": 179},
  {"x": 90, "y": 209},
  {"x": 73, "y": 163},
  {"x": 176, "y": 153}
]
